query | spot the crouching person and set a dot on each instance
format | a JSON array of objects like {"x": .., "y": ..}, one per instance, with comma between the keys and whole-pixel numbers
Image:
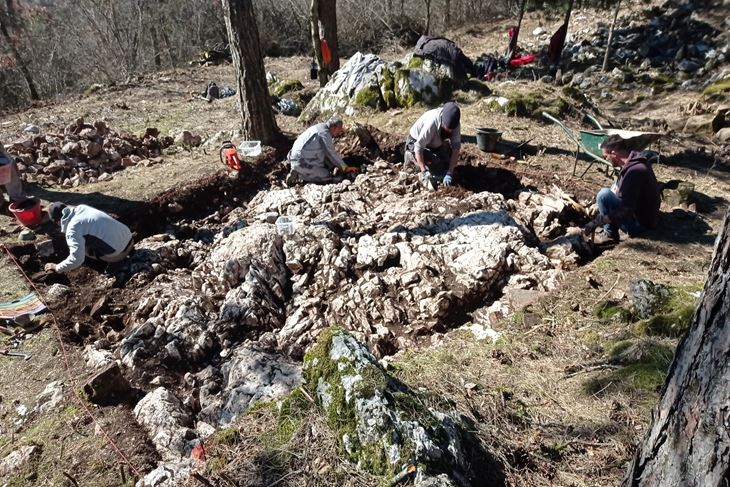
[
  {"x": 434, "y": 142},
  {"x": 632, "y": 203},
  {"x": 89, "y": 233},
  {"x": 314, "y": 157}
]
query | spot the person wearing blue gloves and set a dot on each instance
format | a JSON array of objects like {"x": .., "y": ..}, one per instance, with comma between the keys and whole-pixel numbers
[{"x": 433, "y": 144}]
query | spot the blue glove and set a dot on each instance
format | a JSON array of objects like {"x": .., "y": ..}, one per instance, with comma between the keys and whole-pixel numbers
[
  {"x": 448, "y": 179},
  {"x": 425, "y": 176}
]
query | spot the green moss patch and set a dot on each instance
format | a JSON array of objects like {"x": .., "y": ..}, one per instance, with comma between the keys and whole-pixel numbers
[
  {"x": 533, "y": 104},
  {"x": 415, "y": 63},
  {"x": 673, "y": 317},
  {"x": 718, "y": 87},
  {"x": 369, "y": 97},
  {"x": 280, "y": 88},
  {"x": 612, "y": 311},
  {"x": 642, "y": 366}
]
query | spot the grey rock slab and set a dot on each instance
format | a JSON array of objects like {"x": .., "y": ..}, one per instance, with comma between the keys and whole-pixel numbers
[
  {"x": 249, "y": 376},
  {"x": 17, "y": 459},
  {"x": 167, "y": 422}
]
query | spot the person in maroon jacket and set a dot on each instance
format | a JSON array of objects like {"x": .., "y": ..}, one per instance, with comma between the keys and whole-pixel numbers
[{"x": 632, "y": 203}]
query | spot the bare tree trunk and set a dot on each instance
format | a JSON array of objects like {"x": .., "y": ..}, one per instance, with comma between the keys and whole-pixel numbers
[
  {"x": 155, "y": 48},
  {"x": 323, "y": 24},
  {"x": 688, "y": 443},
  {"x": 513, "y": 40},
  {"x": 428, "y": 16},
  {"x": 257, "y": 118},
  {"x": 18, "y": 60},
  {"x": 610, "y": 37}
]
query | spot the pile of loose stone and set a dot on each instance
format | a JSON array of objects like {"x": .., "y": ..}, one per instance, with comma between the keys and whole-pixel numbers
[
  {"x": 83, "y": 153},
  {"x": 669, "y": 43},
  {"x": 380, "y": 256}
]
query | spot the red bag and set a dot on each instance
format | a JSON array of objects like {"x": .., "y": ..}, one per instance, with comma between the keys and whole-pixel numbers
[{"x": 326, "y": 53}]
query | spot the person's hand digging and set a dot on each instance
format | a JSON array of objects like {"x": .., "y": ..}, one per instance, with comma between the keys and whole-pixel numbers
[
  {"x": 50, "y": 267},
  {"x": 448, "y": 179},
  {"x": 350, "y": 169}
]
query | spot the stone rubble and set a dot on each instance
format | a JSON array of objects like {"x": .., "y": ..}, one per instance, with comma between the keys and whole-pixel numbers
[
  {"x": 231, "y": 306},
  {"x": 84, "y": 153}
]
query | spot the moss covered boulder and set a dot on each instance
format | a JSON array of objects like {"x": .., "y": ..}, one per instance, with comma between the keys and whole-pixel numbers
[
  {"x": 662, "y": 311},
  {"x": 385, "y": 427},
  {"x": 280, "y": 88}
]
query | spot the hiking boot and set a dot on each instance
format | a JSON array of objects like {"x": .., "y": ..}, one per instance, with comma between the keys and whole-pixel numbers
[{"x": 602, "y": 238}]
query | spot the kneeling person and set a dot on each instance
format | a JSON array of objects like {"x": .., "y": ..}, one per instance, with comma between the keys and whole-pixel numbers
[
  {"x": 89, "y": 233},
  {"x": 427, "y": 147},
  {"x": 313, "y": 156},
  {"x": 632, "y": 203}
]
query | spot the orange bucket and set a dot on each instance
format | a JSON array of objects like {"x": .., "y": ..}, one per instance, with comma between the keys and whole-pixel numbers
[{"x": 28, "y": 212}]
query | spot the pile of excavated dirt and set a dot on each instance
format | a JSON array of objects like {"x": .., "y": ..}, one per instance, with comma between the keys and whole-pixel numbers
[
  {"x": 83, "y": 153},
  {"x": 217, "y": 304}
]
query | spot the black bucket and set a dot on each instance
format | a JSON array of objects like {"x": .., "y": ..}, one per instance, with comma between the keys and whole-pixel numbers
[{"x": 487, "y": 139}]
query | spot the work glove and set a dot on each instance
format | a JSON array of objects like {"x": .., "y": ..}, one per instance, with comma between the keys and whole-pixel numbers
[
  {"x": 425, "y": 176},
  {"x": 592, "y": 225},
  {"x": 448, "y": 179}
]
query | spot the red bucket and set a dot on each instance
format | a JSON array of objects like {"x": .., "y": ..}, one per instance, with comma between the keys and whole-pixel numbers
[{"x": 28, "y": 212}]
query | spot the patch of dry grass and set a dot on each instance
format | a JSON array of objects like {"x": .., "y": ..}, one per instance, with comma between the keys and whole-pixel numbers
[{"x": 288, "y": 445}]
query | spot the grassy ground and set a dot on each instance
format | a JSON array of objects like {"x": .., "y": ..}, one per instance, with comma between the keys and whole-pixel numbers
[{"x": 559, "y": 398}]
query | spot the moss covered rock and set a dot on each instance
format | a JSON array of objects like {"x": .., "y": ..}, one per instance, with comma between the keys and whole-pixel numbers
[
  {"x": 381, "y": 424},
  {"x": 663, "y": 311},
  {"x": 280, "y": 88},
  {"x": 533, "y": 104},
  {"x": 679, "y": 196},
  {"x": 369, "y": 96}
]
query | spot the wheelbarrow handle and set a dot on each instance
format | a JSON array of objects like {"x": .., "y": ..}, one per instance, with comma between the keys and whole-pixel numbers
[{"x": 9, "y": 353}]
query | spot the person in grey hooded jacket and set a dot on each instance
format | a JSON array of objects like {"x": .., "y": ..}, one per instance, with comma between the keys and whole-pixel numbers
[
  {"x": 89, "y": 233},
  {"x": 313, "y": 156}
]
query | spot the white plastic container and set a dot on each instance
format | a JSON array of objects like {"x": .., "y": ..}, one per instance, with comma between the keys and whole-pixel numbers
[
  {"x": 250, "y": 148},
  {"x": 286, "y": 225}
]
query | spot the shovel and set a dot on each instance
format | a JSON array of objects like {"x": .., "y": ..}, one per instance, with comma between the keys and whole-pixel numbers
[{"x": 10, "y": 353}]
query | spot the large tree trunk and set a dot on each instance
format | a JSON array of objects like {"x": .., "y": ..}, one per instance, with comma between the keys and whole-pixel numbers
[
  {"x": 18, "y": 60},
  {"x": 688, "y": 443},
  {"x": 257, "y": 117},
  {"x": 323, "y": 24}
]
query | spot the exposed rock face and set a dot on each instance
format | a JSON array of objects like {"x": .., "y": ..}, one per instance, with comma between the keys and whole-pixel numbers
[
  {"x": 16, "y": 459},
  {"x": 231, "y": 305},
  {"x": 382, "y": 424},
  {"x": 248, "y": 377},
  {"x": 168, "y": 423},
  {"x": 367, "y": 81}
]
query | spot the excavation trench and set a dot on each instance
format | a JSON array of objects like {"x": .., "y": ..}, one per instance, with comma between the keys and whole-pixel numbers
[{"x": 211, "y": 279}]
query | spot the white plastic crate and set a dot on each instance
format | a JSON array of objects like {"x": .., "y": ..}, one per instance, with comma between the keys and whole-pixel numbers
[
  {"x": 286, "y": 225},
  {"x": 250, "y": 148}
]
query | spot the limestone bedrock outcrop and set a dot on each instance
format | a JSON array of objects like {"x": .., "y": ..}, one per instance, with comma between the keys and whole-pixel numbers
[
  {"x": 231, "y": 306},
  {"x": 385, "y": 427}
]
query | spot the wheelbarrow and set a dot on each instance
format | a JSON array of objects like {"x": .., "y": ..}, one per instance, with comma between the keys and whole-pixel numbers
[{"x": 588, "y": 142}]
